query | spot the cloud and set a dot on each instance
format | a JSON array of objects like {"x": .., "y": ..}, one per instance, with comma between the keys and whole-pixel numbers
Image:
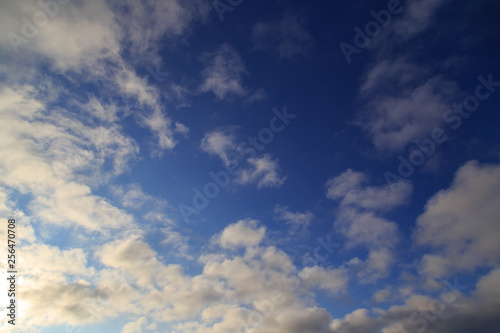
[
  {"x": 147, "y": 22},
  {"x": 332, "y": 280},
  {"x": 449, "y": 311},
  {"x": 297, "y": 221},
  {"x": 178, "y": 243},
  {"x": 341, "y": 185},
  {"x": 223, "y": 73},
  {"x": 285, "y": 38},
  {"x": 348, "y": 188},
  {"x": 262, "y": 170},
  {"x": 153, "y": 117},
  {"x": 134, "y": 257},
  {"x": 382, "y": 295},
  {"x": 241, "y": 234},
  {"x": 365, "y": 229},
  {"x": 78, "y": 35},
  {"x": 221, "y": 143},
  {"x": 402, "y": 98},
  {"x": 395, "y": 119},
  {"x": 85, "y": 42},
  {"x": 417, "y": 18},
  {"x": 135, "y": 327},
  {"x": 446, "y": 225},
  {"x": 52, "y": 154},
  {"x": 74, "y": 204},
  {"x": 132, "y": 196},
  {"x": 357, "y": 221}
]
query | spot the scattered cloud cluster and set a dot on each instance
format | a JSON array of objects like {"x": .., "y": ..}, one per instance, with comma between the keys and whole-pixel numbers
[
  {"x": 359, "y": 220},
  {"x": 403, "y": 100},
  {"x": 248, "y": 167}
]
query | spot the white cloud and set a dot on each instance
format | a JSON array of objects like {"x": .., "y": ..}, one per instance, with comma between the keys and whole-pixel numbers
[
  {"x": 241, "y": 234},
  {"x": 461, "y": 222},
  {"x": 449, "y": 311},
  {"x": 403, "y": 100},
  {"x": 263, "y": 170},
  {"x": 145, "y": 23},
  {"x": 297, "y": 221},
  {"x": 79, "y": 35},
  {"x": 135, "y": 257},
  {"x": 74, "y": 204},
  {"x": 341, "y": 185},
  {"x": 387, "y": 72},
  {"x": 178, "y": 242},
  {"x": 221, "y": 143},
  {"x": 136, "y": 326},
  {"x": 132, "y": 196},
  {"x": 154, "y": 116},
  {"x": 85, "y": 41},
  {"x": 357, "y": 322},
  {"x": 223, "y": 73},
  {"x": 332, "y": 280},
  {"x": 347, "y": 188},
  {"x": 357, "y": 222},
  {"x": 395, "y": 119},
  {"x": 52, "y": 154},
  {"x": 382, "y": 295},
  {"x": 365, "y": 229}
]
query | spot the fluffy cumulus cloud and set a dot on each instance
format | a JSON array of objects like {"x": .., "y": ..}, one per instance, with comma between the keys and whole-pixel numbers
[
  {"x": 460, "y": 223},
  {"x": 360, "y": 222},
  {"x": 135, "y": 327},
  {"x": 332, "y": 280},
  {"x": 244, "y": 233},
  {"x": 448, "y": 311},
  {"x": 53, "y": 156}
]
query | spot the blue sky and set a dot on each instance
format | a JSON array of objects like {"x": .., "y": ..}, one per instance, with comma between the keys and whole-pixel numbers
[{"x": 236, "y": 166}]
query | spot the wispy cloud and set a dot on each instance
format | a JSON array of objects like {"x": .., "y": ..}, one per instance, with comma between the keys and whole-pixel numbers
[
  {"x": 262, "y": 169},
  {"x": 446, "y": 223},
  {"x": 403, "y": 100},
  {"x": 223, "y": 73}
]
